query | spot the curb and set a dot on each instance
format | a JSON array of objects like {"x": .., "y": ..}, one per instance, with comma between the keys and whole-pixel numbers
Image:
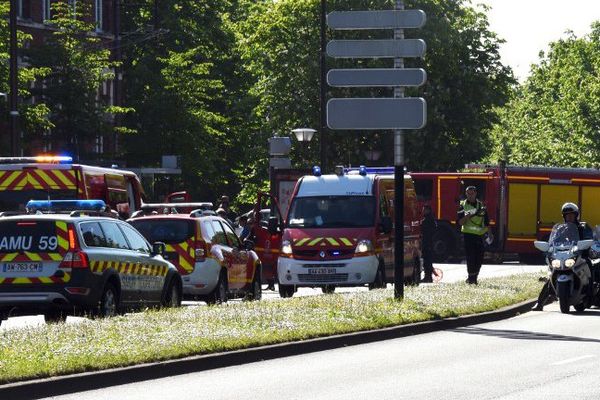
[{"x": 48, "y": 387}]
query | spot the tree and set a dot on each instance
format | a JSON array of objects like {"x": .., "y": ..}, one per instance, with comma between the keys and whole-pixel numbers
[
  {"x": 79, "y": 64},
  {"x": 554, "y": 119},
  {"x": 33, "y": 117}
]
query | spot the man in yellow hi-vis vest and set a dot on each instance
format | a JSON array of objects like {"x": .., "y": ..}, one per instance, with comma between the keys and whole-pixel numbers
[{"x": 473, "y": 219}]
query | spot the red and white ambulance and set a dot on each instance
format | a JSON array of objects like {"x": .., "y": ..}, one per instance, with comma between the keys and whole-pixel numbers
[{"x": 339, "y": 231}]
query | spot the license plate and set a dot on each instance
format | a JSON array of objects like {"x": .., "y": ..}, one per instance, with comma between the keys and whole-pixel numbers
[
  {"x": 22, "y": 267},
  {"x": 321, "y": 271}
]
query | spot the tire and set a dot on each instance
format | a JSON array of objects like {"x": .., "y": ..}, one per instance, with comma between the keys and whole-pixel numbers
[
  {"x": 563, "y": 290},
  {"x": 286, "y": 291},
  {"x": 55, "y": 317},
  {"x": 255, "y": 292},
  {"x": 328, "y": 289},
  {"x": 580, "y": 307},
  {"x": 173, "y": 294},
  {"x": 109, "y": 301},
  {"x": 443, "y": 245},
  {"x": 219, "y": 294},
  {"x": 379, "y": 281}
]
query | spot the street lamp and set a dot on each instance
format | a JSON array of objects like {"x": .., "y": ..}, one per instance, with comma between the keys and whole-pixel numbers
[{"x": 304, "y": 134}]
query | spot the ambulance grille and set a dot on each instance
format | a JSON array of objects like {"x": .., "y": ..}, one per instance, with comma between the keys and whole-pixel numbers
[{"x": 325, "y": 278}]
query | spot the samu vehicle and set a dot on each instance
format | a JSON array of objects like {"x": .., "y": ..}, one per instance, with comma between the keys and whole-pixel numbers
[
  {"x": 75, "y": 263},
  {"x": 568, "y": 270}
]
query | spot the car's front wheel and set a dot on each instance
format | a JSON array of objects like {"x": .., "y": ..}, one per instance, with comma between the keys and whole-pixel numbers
[{"x": 173, "y": 294}]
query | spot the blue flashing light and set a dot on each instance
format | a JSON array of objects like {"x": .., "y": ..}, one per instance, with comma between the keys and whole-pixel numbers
[
  {"x": 372, "y": 170},
  {"x": 316, "y": 170},
  {"x": 65, "y": 205}
]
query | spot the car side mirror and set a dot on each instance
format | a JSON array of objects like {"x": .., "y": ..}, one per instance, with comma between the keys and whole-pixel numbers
[
  {"x": 273, "y": 225},
  {"x": 248, "y": 244},
  {"x": 386, "y": 224},
  {"x": 542, "y": 246},
  {"x": 158, "y": 248},
  {"x": 584, "y": 244}
]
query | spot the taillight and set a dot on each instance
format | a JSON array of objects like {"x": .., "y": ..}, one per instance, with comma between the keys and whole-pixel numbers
[
  {"x": 201, "y": 251},
  {"x": 75, "y": 258}
]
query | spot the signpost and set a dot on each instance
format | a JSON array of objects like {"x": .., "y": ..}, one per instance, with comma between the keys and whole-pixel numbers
[{"x": 395, "y": 113}]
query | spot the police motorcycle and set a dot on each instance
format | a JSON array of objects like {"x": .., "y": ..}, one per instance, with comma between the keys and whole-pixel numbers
[{"x": 568, "y": 271}]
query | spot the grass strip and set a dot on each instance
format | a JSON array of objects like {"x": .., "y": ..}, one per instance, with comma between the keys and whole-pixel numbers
[{"x": 155, "y": 335}]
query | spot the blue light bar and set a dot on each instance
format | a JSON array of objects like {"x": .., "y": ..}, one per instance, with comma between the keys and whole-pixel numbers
[
  {"x": 316, "y": 170},
  {"x": 65, "y": 205},
  {"x": 362, "y": 170},
  {"x": 372, "y": 170}
]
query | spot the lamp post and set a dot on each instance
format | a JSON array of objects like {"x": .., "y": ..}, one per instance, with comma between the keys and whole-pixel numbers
[
  {"x": 322, "y": 88},
  {"x": 304, "y": 135},
  {"x": 13, "y": 98}
]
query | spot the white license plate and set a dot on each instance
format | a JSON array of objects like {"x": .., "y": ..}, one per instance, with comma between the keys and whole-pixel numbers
[
  {"x": 22, "y": 267},
  {"x": 321, "y": 271}
]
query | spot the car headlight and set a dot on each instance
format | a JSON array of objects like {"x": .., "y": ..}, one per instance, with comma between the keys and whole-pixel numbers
[
  {"x": 569, "y": 262},
  {"x": 555, "y": 263},
  {"x": 286, "y": 248},
  {"x": 364, "y": 246}
]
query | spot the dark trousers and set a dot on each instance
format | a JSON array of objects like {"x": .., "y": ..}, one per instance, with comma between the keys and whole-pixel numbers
[
  {"x": 474, "y": 254},
  {"x": 427, "y": 261}
]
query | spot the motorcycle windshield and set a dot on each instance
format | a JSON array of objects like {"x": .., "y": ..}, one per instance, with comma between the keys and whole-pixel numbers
[{"x": 564, "y": 235}]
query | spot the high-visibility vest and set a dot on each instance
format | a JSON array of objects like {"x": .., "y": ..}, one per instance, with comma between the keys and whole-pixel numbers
[{"x": 475, "y": 224}]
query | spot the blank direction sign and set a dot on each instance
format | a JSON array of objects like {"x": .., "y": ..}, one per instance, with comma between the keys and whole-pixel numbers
[
  {"x": 377, "y": 113},
  {"x": 376, "y": 48},
  {"x": 376, "y": 77},
  {"x": 385, "y": 19}
]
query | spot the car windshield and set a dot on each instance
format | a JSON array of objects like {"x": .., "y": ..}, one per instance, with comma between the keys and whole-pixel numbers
[
  {"x": 564, "y": 235},
  {"x": 165, "y": 230},
  {"x": 15, "y": 200},
  {"x": 332, "y": 212}
]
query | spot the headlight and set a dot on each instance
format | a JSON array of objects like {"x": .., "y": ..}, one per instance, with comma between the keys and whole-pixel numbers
[
  {"x": 570, "y": 262},
  {"x": 364, "y": 246},
  {"x": 555, "y": 263},
  {"x": 286, "y": 248}
]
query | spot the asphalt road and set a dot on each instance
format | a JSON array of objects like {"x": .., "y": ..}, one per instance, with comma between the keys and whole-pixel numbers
[
  {"x": 532, "y": 356},
  {"x": 452, "y": 273}
]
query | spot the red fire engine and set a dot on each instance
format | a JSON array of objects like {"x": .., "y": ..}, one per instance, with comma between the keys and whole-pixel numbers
[{"x": 523, "y": 203}]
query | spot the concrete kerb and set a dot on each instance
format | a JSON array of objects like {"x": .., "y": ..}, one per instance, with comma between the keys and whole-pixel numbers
[{"x": 39, "y": 388}]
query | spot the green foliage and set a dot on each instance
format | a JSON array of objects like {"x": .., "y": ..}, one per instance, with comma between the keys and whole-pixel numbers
[
  {"x": 33, "y": 117},
  {"x": 79, "y": 64},
  {"x": 554, "y": 119}
]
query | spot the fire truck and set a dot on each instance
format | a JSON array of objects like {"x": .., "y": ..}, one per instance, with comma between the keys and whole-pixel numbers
[
  {"x": 57, "y": 178},
  {"x": 523, "y": 204}
]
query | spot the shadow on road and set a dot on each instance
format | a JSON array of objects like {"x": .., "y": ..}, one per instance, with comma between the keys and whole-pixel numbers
[{"x": 522, "y": 335}]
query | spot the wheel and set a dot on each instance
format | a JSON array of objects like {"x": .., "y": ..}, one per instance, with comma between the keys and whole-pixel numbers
[
  {"x": 379, "y": 281},
  {"x": 55, "y": 317},
  {"x": 328, "y": 289},
  {"x": 109, "y": 301},
  {"x": 172, "y": 296},
  {"x": 563, "y": 290},
  {"x": 580, "y": 307},
  {"x": 286, "y": 291},
  {"x": 255, "y": 292},
  {"x": 443, "y": 246},
  {"x": 219, "y": 294}
]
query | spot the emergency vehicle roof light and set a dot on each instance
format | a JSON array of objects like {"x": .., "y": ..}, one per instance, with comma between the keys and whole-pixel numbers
[
  {"x": 373, "y": 170},
  {"x": 339, "y": 170},
  {"x": 65, "y": 205},
  {"x": 316, "y": 170},
  {"x": 38, "y": 159},
  {"x": 362, "y": 170}
]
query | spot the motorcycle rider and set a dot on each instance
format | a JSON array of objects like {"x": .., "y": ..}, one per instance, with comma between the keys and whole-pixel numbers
[{"x": 570, "y": 213}]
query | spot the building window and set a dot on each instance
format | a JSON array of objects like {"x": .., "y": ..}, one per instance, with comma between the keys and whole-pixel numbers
[
  {"x": 46, "y": 10},
  {"x": 99, "y": 145},
  {"x": 99, "y": 8}
]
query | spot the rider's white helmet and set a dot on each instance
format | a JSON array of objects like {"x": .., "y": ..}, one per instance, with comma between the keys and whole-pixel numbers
[{"x": 570, "y": 208}]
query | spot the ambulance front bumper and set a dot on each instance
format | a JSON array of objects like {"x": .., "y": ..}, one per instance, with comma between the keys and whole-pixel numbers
[{"x": 351, "y": 272}]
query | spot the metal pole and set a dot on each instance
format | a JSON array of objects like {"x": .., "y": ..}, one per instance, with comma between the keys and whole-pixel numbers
[
  {"x": 323, "y": 88},
  {"x": 399, "y": 184},
  {"x": 14, "y": 87},
  {"x": 118, "y": 72}
]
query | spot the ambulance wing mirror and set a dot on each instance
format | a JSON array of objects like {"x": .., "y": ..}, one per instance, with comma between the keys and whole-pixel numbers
[
  {"x": 386, "y": 224},
  {"x": 273, "y": 226},
  {"x": 158, "y": 248},
  {"x": 542, "y": 246}
]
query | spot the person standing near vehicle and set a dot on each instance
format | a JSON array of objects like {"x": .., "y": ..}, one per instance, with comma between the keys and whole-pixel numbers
[
  {"x": 474, "y": 221},
  {"x": 428, "y": 227}
]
